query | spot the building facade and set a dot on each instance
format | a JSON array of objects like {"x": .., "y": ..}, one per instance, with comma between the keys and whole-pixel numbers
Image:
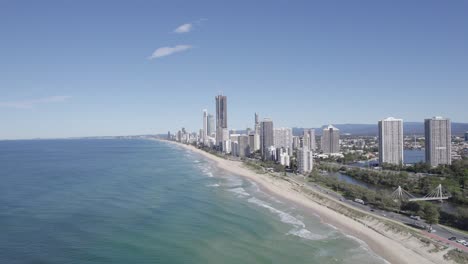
[
  {"x": 221, "y": 118},
  {"x": 266, "y": 138},
  {"x": 308, "y": 139},
  {"x": 204, "y": 131},
  {"x": 210, "y": 125},
  {"x": 331, "y": 140},
  {"x": 283, "y": 138},
  {"x": 391, "y": 141},
  {"x": 305, "y": 160},
  {"x": 438, "y": 141}
]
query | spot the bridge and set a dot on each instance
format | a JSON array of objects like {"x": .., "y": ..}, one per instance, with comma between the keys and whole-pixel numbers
[{"x": 437, "y": 194}]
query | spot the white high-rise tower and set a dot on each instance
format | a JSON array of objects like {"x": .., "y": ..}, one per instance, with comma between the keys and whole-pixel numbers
[
  {"x": 391, "y": 141},
  {"x": 438, "y": 141}
]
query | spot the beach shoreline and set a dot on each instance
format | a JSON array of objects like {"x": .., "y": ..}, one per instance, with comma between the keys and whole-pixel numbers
[{"x": 394, "y": 247}]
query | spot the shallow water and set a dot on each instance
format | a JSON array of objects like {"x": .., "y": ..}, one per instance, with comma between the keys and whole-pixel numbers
[{"x": 136, "y": 201}]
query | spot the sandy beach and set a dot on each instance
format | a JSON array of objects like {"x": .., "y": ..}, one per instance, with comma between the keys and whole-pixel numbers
[{"x": 393, "y": 246}]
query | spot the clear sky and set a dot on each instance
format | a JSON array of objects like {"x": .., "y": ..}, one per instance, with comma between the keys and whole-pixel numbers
[{"x": 91, "y": 68}]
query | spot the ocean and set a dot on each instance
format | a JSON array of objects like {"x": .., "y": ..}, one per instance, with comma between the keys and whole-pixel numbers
[{"x": 142, "y": 201}]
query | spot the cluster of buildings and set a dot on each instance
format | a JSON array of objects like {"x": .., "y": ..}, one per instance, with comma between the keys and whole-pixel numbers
[
  {"x": 264, "y": 140},
  {"x": 268, "y": 143},
  {"x": 438, "y": 141}
]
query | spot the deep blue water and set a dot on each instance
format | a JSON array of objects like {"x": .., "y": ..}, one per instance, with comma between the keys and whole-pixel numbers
[{"x": 136, "y": 201}]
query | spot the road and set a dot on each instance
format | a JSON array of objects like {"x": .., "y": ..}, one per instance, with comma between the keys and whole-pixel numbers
[{"x": 442, "y": 234}]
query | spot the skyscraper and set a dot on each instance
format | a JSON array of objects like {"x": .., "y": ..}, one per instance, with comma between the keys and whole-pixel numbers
[
  {"x": 283, "y": 138},
  {"x": 266, "y": 137},
  {"x": 305, "y": 161},
  {"x": 308, "y": 139},
  {"x": 438, "y": 141},
  {"x": 210, "y": 125},
  {"x": 257, "y": 125},
  {"x": 243, "y": 145},
  {"x": 391, "y": 141},
  {"x": 331, "y": 140},
  {"x": 205, "y": 126},
  {"x": 221, "y": 118}
]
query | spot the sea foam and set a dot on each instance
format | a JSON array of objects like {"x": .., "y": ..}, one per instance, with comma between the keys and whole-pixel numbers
[
  {"x": 299, "y": 226},
  {"x": 239, "y": 191}
]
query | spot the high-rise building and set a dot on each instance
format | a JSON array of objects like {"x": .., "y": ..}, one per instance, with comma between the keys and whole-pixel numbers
[
  {"x": 438, "y": 141},
  {"x": 296, "y": 142},
  {"x": 204, "y": 134},
  {"x": 305, "y": 160},
  {"x": 257, "y": 125},
  {"x": 221, "y": 118},
  {"x": 283, "y": 138},
  {"x": 254, "y": 142},
  {"x": 169, "y": 135},
  {"x": 243, "y": 145},
  {"x": 210, "y": 125},
  {"x": 331, "y": 140},
  {"x": 466, "y": 136},
  {"x": 391, "y": 141},
  {"x": 308, "y": 139},
  {"x": 266, "y": 138}
]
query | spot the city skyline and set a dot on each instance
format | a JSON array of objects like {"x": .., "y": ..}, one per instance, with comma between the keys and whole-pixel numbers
[{"x": 65, "y": 76}]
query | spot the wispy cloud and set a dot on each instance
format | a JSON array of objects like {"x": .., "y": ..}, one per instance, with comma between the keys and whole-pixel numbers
[
  {"x": 27, "y": 104},
  {"x": 166, "y": 51},
  {"x": 185, "y": 28}
]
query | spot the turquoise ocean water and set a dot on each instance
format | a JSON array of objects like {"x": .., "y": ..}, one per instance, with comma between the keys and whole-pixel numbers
[{"x": 140, "y": 201}]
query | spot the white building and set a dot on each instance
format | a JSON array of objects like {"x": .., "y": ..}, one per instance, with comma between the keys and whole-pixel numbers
[
  {"x": 391, "y": 141},
  {"x": 254, "y": 142},
  {"x": 438, "y": 141},
  {"x": 308, "y": 139},
  {"x": 284, "y": 159},
  {"x": 305, "y": 160},
  {"x": 331, "y": 140},
  {"x": 283, "y": 138},
  {"x": 204, "y": 132}
]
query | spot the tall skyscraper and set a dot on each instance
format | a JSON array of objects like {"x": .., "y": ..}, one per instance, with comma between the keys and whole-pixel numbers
[
  {"x": 308, "y": 139},
  {"x": 221, "y": 118},
  {"x": 257, "y": 125},
  {"x": 283, "y": 138},
  {"x": 254, "y": 142},
  {"x": 305, "y": 161},
  {"x": 205, "y": 126},
  {"x": 266, "y": 137},
  {"x": 244, "y": 149},
  {"x": 331, "y": 140},
  {"x": 438, "y": 141},
  {"x": 210, "y": 125},
  {"x": 466, "y": 136},
  {"x": 391, "y": 141}
]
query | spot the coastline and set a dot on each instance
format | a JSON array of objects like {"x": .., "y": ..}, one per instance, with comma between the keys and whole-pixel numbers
[{"x": 379, "y": 234}]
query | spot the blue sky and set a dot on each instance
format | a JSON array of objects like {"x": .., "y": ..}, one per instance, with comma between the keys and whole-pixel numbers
[{"x": 90, "y": 68}]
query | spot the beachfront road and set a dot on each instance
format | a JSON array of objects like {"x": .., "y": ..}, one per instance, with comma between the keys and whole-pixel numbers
[{"x": 441, "y": 233}]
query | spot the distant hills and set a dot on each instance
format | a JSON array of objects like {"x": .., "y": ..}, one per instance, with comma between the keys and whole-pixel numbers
[{"x": 409, "y": 128}]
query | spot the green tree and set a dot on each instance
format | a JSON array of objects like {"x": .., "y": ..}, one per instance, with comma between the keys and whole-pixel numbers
[{"x": 431, "y": 214}]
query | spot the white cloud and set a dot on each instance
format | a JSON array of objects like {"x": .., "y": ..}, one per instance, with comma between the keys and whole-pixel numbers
[
  {"x": 27, "y": 104},
  {"x": 166, "y": 51},
  {"x": 185, "y": 28}
]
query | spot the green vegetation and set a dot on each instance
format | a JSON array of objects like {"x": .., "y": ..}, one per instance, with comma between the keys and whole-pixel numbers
[
  {"x": 458, "y": 220},
  {"x": 457, "y": 256},
  {"x": 351, "y": 191},
  {"x": 415, "y": 184}
]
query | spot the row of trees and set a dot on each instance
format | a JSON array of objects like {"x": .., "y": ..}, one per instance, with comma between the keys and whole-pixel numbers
[
  {"x": 427, "y": 210},
  {"x": 352, "y": 191},
  {"x": 421, "y": 185}
]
